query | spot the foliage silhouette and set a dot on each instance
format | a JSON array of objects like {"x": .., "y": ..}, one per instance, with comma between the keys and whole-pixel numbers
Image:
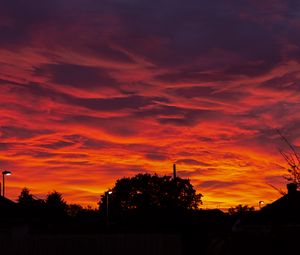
[
  {"x": 74, "y": 210},
  {"x": 145, "y": 193},
  {"x": 240, "y": 210},
  {"x": 56, "y": 205},
  {"x": 32, "y": 207},
  {"x": 25, "y": 198}
]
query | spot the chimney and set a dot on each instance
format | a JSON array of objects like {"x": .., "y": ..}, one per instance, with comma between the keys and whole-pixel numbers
[
  {"x": 292, "y": 188},
  {"x": 174, "y": 171}
]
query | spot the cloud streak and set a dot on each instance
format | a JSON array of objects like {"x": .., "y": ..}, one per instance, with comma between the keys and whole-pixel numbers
[{"x": 92, "y": 92}]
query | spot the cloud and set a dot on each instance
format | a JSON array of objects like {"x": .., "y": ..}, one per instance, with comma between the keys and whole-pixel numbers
[
  {"x": 156, "y": 156},
  {"x": 7, "y": 132},
  {"x": 57, "y": 145},
  {"x": 209, "y": 93},
  {"x": 191, "y": 162},
  {"x": 217, "y": 184},
  {"x": 116, "y": 103},
  {"x": 106, "y": 89},
  {"x": 180, "y": 116},
  {"x": 76, "y": 75}
]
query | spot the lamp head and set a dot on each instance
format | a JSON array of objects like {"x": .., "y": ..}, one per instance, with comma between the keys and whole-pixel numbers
[{"x": 6, "y": 172}]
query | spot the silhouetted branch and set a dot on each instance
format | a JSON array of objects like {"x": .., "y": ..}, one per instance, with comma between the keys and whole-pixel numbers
[
  {"x": 292, "y": 158},
  {"x": 281, "y": 192}
]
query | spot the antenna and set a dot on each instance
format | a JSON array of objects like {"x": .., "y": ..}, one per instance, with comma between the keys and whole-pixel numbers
[{"x": 174, "y": 171}]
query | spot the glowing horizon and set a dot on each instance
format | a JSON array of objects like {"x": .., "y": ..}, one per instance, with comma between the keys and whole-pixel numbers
[{"x": 92, "y": 91}]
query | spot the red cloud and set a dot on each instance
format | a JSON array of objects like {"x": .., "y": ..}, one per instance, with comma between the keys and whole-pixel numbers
[{"x": 93, "y": 92}]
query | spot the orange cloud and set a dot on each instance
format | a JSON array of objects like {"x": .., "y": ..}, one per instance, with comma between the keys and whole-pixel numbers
[{"x": 91, "y": 93}]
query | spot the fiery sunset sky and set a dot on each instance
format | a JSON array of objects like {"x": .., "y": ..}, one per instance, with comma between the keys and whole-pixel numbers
[{"x": 95, "y": 90}]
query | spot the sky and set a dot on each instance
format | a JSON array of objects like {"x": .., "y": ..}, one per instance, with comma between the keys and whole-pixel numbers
[{"x": 96, "y": 90}]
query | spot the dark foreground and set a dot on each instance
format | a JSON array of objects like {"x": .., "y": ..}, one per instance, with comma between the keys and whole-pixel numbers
[{"x": 192, "y": 239}]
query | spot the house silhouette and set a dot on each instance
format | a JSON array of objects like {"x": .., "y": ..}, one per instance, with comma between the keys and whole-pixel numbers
[
  {"x": 8, "y": 208},
  {"x": 284, "y": 213},
  {"x": 285, "y": 210},
  {"x": 272, "y": 230}
]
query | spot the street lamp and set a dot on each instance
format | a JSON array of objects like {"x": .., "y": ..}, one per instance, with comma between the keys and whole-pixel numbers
[
  {"x": 3, "y": 181},
  {"x": 261, "y": 204},
  {"x": 107, "y": 198}
]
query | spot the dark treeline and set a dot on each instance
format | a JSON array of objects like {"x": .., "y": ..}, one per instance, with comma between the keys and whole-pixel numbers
[
  {"x": 143, "y": 203},
  {"x": 151, "y": 204}
]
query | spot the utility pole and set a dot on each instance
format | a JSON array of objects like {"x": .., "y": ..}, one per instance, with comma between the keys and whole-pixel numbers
[{"x": 174, "y": 171}]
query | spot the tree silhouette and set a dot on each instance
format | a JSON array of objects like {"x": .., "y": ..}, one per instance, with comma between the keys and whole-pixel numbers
[
  {"x": 56, "y": 205},
  {"x": 74, "y": 210},
  {"x": 145, "y": 192},
  {"x": 25, "y": 198},
  {"x": 292, "y": 158},
  {"x": 240, "y": 210},
  {"x": 31, "y": 207}
]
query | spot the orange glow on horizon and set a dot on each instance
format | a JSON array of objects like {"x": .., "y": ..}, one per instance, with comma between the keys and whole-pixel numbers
[{"x": 124, "y": 88}]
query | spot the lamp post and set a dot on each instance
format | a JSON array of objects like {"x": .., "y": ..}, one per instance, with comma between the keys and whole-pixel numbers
[
  {"x": 4, "y": 173},
  {"x": 107, "y": 200}
]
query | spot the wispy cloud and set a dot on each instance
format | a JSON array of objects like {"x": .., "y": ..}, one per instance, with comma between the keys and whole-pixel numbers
[{"x": 92, "y": 91}]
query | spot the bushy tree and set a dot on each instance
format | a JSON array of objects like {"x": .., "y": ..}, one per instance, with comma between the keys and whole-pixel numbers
[
  {"x": 31, "y": 206},
  {"x": 145, "y": 192},
  {"x": 55, "y": 204},
  {"x": 25, "y": 198},
  {"x": 74, "y": 210},
  {"x": 240, "y": 210}
]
